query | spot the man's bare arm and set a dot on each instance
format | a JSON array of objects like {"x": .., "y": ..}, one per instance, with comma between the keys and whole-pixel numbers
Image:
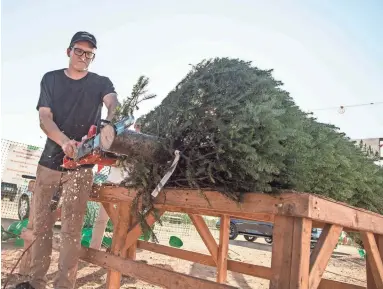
[
  {"x": 111, "y": 103},
  {"x": 50, "y": 128}
]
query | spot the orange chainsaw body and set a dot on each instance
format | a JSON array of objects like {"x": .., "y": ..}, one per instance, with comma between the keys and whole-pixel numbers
[{"x": 97, "y": 157}]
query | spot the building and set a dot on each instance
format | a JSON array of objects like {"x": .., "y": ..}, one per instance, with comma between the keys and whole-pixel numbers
[{"x": 376, "y": 145}]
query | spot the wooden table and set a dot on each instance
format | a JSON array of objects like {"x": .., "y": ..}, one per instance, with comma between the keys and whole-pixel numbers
[{"x": 293, "y": 214}]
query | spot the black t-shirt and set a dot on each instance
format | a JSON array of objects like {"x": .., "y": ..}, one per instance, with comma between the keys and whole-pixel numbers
[{"x": 75, "y": 104}]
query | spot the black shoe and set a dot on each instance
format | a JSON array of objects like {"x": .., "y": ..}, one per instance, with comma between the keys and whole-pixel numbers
[{"x": 24, "y": 285}]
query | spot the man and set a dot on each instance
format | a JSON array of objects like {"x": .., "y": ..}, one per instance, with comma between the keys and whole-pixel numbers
[{"x": 70, "y": 102}]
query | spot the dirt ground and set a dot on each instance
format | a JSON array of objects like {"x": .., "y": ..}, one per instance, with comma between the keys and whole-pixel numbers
[{"x": 345, "y": 264}]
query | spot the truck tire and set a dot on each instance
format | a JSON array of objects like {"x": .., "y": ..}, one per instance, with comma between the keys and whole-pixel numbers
[
  {"x": 233, "y": 231},
  {"x": 250, "y": 238},
  {"x": 23, "y": 207},
  {"x": 269, "y": 240}
]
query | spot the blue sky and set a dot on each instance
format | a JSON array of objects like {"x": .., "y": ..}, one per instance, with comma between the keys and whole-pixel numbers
[{"x": 327, "y": 53}]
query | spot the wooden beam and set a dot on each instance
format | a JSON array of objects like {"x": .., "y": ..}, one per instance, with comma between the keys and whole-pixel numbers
[
  {"x": 253, "y": 205},
  {"x": 300, "y": 263},
  {"x": 120, "y": 231},
  {"x": 374, "y": 257},
  {"x": 235, "y": 266},
  {"x": 112, "y": 211},
  {"x": 330, "y": 284},
  {"x": 370, "y": 278},
  {"x": 148, "y": 273},
  {"x": 206, "y": 235},
  {"x": 112, "y": 194},
  {"x": 332, "y": 212},
  {"x": 379, "y": 242},
  {"x": 132, "y": 250},
  {"x": 281, "y": 261},
  {"x": 288, "y": 203},
  {"x": 262, "y": 217},
  {"x": 223, "y": 249},
  {"x": 322, "y": 253}
]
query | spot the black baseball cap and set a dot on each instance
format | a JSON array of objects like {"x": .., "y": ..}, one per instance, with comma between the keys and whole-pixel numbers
[{"x": 83, "y": 36}]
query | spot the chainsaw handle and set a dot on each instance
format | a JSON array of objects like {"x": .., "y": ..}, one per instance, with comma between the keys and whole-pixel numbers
[
  {"x": 100, "y": 125},
  {"x": 92, "y": 131}
]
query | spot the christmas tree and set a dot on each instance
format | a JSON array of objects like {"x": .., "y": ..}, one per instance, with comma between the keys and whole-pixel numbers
[{"x": 239, "y": 131}]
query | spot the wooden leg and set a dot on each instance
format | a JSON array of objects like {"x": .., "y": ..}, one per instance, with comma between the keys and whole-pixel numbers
[
  {"x": 374, "y": 259},
  {"x": 322, "y": 253},
  {"x": 223, "y": 249},
  {"x": 290, "y": 259},
  {"x": 206, "y": 235},
  {"x": 300, "y": 263},
  {"x": 281, "y": 252},
  {"x": 132, "y": 250},
  {"x": 370, "y": 277},
  {"x": 120, "y": 231},
  {"x": 112, "y": 211}
]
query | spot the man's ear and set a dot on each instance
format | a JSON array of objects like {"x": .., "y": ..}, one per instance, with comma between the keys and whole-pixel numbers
[{"x": 68, "y": 52}]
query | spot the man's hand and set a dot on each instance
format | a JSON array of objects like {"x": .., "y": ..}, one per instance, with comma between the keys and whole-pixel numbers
[{"x": 70, "y": 148}]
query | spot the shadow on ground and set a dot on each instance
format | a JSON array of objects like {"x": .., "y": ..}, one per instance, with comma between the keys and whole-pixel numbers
[
  {"x": 209, "y": 273},
  {"x": 252, "y": 245}
]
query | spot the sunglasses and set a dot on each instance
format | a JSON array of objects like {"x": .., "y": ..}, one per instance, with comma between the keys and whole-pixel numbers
[{"x": 80, "y": 52}]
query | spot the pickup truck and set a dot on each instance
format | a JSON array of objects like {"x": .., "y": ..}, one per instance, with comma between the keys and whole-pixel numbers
[
  {"x": 8, "y": 190},
  {"x": 251, "y": 230}
]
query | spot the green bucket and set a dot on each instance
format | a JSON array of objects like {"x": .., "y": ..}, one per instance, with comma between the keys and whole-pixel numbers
[
  {"x": 87, "y": 232},
  {"x": 362, "y": 253},
  {"x": 19, "y": 242},
  {"x": 16, "y": 227},
  {"x": 145, "y": 236},
  {"x": 85, "y": 241},
  {"x": 175, "y": 242},
  {"x": 86, "y": 237},
  {"x": 107, "y": 242}
]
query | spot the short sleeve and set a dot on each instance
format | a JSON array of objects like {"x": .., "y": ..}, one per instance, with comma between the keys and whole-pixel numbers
[
  {"x": 45, "y": 99},
  {"x": 107, "y": 87}
]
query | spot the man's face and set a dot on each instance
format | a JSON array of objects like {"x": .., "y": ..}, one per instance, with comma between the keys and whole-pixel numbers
[
  {"x": 31, "y": 186},
  {"x": 81, "y": 55},
  {"x": 137, "y": 127}
]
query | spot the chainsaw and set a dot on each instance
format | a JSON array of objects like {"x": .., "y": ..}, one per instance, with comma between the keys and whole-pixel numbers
[{"x": 89, "y": 151}]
